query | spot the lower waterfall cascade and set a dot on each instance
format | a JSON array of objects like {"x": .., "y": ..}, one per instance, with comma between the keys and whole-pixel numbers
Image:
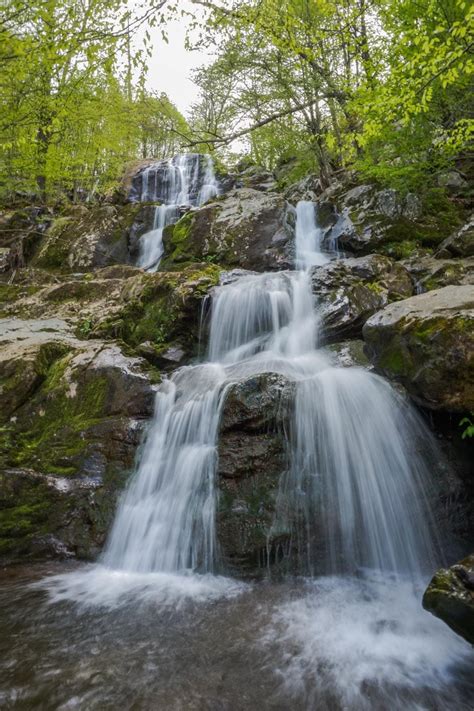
[
  {"x": 353, "y": 455},
  {"x": 184, "y": 181},
  {"x": 355, "y": 495}
]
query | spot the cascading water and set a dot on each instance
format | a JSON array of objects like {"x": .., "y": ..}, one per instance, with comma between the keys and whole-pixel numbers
[
  {"x": 353, "y": 497},
  {"x": 185, "y": 181}
]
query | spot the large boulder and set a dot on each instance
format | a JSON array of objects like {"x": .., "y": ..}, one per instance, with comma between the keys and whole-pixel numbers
[
  {"x": 245, "y": 228},
  {"x": 87, "y": 238},
  {"x": 252, "y": 457},
  {"x": 460, "y": 243},
  {"x": 426, "y": 342},
  {"x": 365, "y": 219},
  {"x": 450, "y": 596},
  {"x": 348, "y": 291},
  {"x": 72, "y": 414}
]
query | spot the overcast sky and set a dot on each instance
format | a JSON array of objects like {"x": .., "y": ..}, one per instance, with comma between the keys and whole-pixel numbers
[{"x": 171, "y": 65}]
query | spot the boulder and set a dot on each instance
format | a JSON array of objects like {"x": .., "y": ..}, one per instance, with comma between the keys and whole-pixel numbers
[
  {"x": 365, "y": 218},
  {"x": 430, "y": 272},
  {"x": 348, "y": 291},
  {"x": 72, "y": 414},
  {"x": 257, "y": 178},
  {"x": 87, "y": 238},
  {"x": 426, "y": 342},
  {"x": 452, "y": 180},
  {"x": 245, "y": 228},
  {"x": 251, "y": 459},
  {"x": 450, "y": 596},
  {"x": 460, "y": 243}
]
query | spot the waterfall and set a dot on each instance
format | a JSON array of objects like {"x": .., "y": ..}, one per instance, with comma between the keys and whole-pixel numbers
[
  {"x": 308, "y": 236},
  {"x": 151, "y": 243},
  {"x": 166, "y": 520},
  {"x": 355, "y": 482},
  {"x": 185, "y": 181}
]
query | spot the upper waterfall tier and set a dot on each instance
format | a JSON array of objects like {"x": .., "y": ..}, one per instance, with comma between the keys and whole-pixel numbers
[{"x": 186, "y": 179}]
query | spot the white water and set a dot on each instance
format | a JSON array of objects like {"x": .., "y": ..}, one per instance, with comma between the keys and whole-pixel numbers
[
  {"x": 353, "y": 498},
  {"x": 308, "y": 236},
  {"x": 184, "y": 181}
]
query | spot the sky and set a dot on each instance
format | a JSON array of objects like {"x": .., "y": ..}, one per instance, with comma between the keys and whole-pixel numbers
[{"x": 171, "y": 64}]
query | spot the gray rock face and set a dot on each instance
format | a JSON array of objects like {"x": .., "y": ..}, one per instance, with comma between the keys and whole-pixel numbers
[
  {"x": 348, "y": 291},
  {"x": 72, "y": 414},
  {"x": 430, "y": 273},
  {"x": 258, "y": 178},
  {"x": 246, "y": 228},
  {"x": 452, "y": 180},
  {"x": 366, "y": 218},
  {"x": 87, "y": 238},
  {"x": 252, "y": 457},
  {"x": 427, "y": 343},
  {"x": 459, "y": 244},
  {"x": 450, "y": 596}
]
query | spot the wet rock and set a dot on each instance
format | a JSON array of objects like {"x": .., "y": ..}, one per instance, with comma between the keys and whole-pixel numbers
[
  {"x": 348, "y": 291},
  {"x": 427, "y": 343},
  {"x": 87, "y": 239},
  {"x": 252, "y": 457},
  {"x": 450, "y": 596},
  {"x": 366, "y": 219},
  {"x": 72, "y": 415},
  {"x": 349, "y": 354},
  {"x": 460, "y": 243},
  {"x": 245, "y": 228}
]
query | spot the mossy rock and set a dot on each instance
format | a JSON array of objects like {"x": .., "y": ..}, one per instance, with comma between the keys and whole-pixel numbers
[
  {"x": 450, "y": 596},
  {"x": 251, "y": 460},
  {"x": 427, "y": 344},
  {"x": 70, "y": 430},
  {"x": 349, "y": 291},
  {"x": 245, "y": 228},
  {"x": 87, "y": 238}
]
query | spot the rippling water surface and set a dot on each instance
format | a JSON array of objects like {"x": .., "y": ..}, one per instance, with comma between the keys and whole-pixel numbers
[{"x": 171, "y": 642}]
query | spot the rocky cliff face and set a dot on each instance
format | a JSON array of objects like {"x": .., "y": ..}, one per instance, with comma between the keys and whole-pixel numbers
[{"x": 87, "y": 335}]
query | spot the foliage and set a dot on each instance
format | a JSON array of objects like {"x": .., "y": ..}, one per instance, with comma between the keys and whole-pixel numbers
[
  {"x": 384, "y": 86},
  {"x": 469, "y": 427},
  {"x": 70, "y": 115}
]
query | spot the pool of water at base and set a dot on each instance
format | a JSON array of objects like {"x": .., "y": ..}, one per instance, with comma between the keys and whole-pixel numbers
[{"x": 89, "y": 638}]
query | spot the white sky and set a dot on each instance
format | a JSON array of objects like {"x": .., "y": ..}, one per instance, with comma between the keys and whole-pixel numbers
[{"x": 170, "y": 66}]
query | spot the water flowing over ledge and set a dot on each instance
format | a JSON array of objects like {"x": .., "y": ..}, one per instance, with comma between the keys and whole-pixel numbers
[
  {"x": 184, "y": 181},
  {"x": 354, "y": 497}
]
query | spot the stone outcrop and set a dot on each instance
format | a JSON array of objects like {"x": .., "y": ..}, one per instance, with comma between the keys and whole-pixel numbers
[
  {"x": 364, "y": 218},
  {"x": 428, "y": 272},
  {"x": 348, "y": 291},
  {"x": 151, "y": 313},
  {"x": 427, "y": 343},
  {"x": 87, "y": 238},
  {"x": 460, "y": 243},
  {"x": 246, "y": 228},
  {"x": 71, "y": 419},
  {"x": 252, "y": 457},
  {"x": 450, "y": 596}
]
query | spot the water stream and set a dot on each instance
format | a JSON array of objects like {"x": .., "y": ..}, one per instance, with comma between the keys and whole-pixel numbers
[
  {"x": 185, "y": 181},
  {"x": 352, "y": 634}
]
